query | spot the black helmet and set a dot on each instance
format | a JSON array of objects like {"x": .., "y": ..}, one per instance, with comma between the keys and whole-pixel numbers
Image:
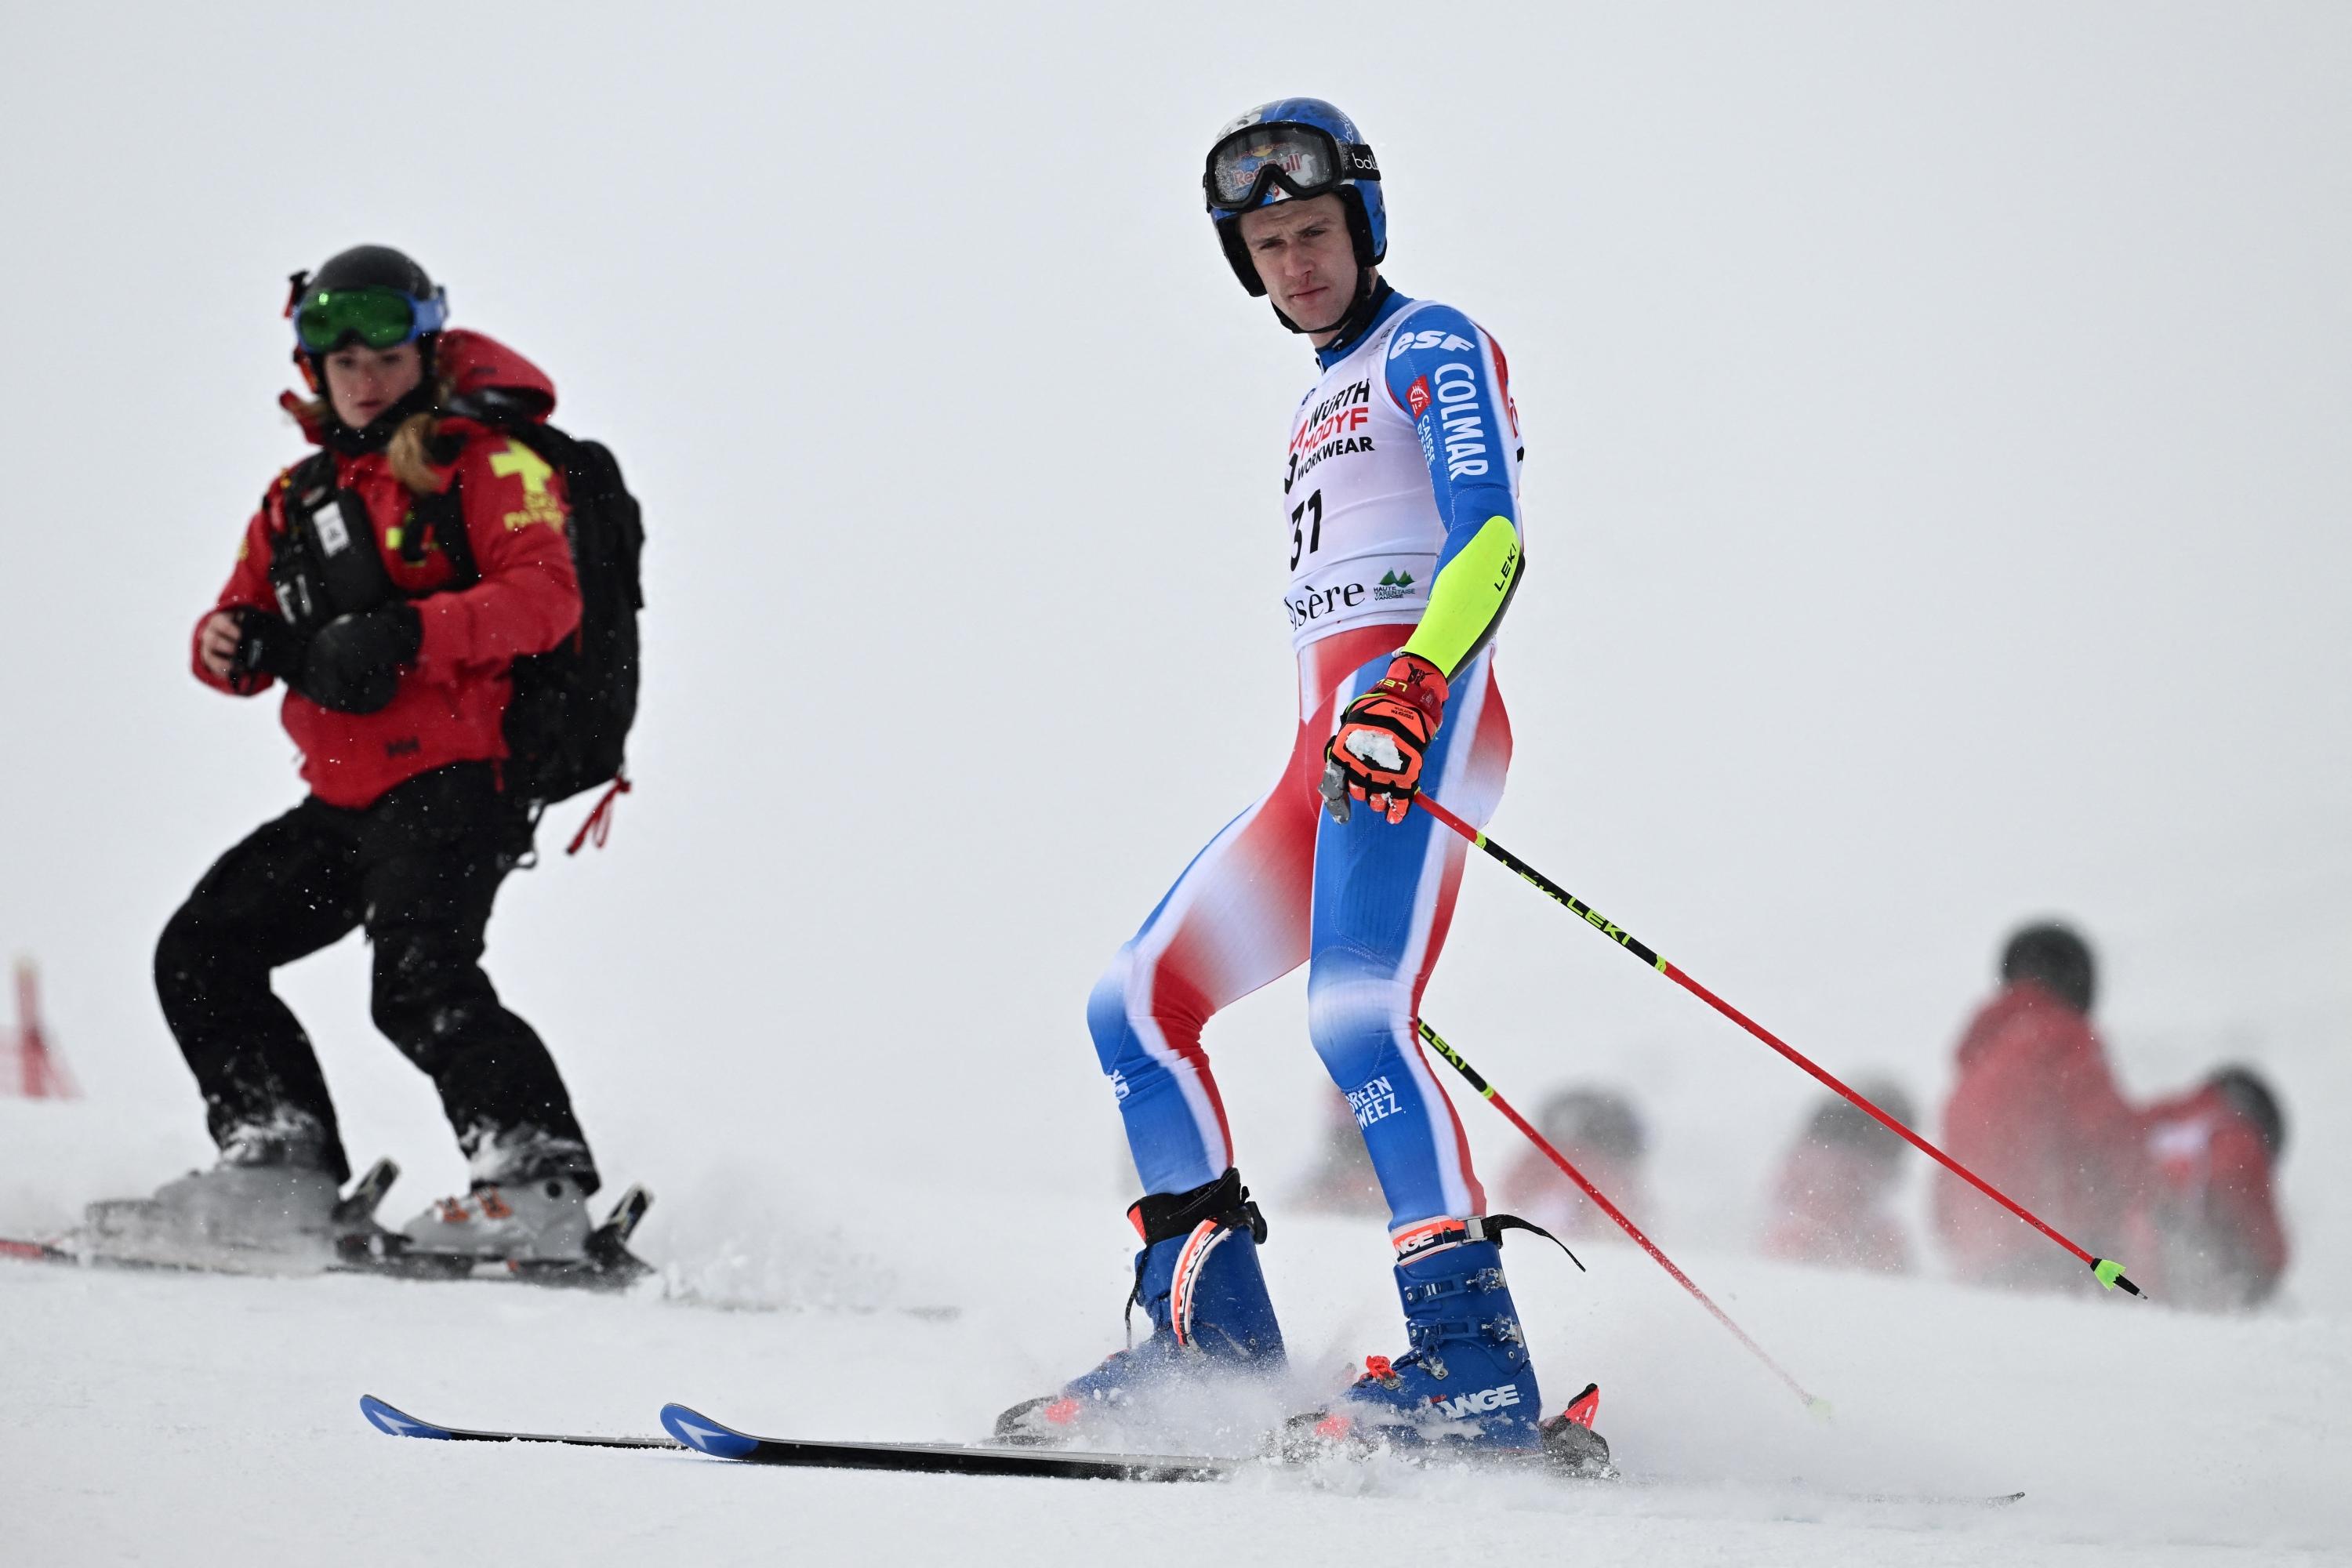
[
  {"x": 2251, "y": 1098},
  {"x": 2055, "y": 956},
  {"x": 374, "y": 267},
  {"x": 374, "y": 294}
]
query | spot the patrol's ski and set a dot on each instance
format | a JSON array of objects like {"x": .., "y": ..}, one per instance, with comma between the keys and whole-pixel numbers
[
  {"x": 363, "y": 1247},
  {"x": 99, "y": 1243},
  {"x": 608, "y": 1265}
]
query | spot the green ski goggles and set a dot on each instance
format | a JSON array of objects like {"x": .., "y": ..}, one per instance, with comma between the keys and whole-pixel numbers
[{"x": 380, "y": 317}]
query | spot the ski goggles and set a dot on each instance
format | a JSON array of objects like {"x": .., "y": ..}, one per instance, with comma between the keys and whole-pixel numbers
[
  {"x": 1304, "y": 159},
  {"x": 380, "y": 317}
]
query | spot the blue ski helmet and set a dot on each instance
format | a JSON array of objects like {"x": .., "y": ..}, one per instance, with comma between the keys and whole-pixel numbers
[{"x": 1293, "y": 149}]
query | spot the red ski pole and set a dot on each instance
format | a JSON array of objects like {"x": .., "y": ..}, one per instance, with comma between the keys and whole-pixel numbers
[
  {"x": 2108, "y": 1272},
  {"x": 1492, "y": 1096}
]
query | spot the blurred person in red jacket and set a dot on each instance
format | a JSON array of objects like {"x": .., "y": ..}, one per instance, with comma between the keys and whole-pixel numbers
[
  {"x": 388, "y": 582},
  {"x": 2037, "y": 1113},
  {"x": 1834, "y": 1202},
  {"x": 2181, "y": 1189},
  {"x": 1598, "y": 1130},
  {"x": 2214, "y": 1238}
]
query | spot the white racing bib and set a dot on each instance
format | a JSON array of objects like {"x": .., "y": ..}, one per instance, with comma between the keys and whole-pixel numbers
[{"x": 1359, "y": 515}]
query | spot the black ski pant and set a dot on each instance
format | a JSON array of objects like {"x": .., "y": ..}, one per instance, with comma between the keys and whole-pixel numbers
[{"x": 419, "y": 870}]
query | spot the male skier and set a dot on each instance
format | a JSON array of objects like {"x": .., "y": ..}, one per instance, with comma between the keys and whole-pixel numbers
[{"x": 1399, "y": 518}]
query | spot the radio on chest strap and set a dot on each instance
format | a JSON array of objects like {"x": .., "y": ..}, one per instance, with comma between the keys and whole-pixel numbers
[{"x": 327, "y": 562}]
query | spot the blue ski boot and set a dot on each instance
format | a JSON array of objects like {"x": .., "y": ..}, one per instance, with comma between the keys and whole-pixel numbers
[
  {"x": 1198, "y": 1278},
  {"x": 1465, "y": 1382}
]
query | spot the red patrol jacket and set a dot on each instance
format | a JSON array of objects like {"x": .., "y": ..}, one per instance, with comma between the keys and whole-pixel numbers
[
  {"x": 2037, "y": 1113},
  {"x": 2213, "y": 1234},
  {"x": 450, "y": 705}
]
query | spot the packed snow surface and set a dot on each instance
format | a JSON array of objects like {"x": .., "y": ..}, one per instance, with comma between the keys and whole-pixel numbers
[{"x": 188, "y": 1418}]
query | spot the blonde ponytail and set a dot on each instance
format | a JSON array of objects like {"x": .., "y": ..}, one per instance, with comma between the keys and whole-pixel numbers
[{"x": 410, "y": 450}]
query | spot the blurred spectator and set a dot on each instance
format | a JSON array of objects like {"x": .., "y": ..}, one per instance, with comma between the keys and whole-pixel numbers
[
  {"x": 2037, "y": 1114},
  {"x": 2181, "y": 1191},
  {"x": 1597, "y": 1131},
  {"x": 1834, "y": 1203},
  {"x": 2214, "y": 1238}
]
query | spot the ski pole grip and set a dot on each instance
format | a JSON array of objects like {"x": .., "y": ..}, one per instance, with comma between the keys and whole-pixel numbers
[{"x": 1334, "y": 791}]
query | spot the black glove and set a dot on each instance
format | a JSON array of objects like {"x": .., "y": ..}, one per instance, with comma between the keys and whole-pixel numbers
[
  {"x": 353, "y": 663},
  {"x": 266, "y": 645}
]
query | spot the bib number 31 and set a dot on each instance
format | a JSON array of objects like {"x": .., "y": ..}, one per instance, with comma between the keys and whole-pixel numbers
[{"x": 1306, "y": 528}]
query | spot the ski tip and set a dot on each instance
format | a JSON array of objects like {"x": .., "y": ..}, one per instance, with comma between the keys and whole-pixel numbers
[
  {"x": 398, "y": 1423},
  {"x": 703, "y": 1434}
]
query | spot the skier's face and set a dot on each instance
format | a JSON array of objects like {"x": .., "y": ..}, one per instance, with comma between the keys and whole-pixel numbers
[
  {"x": 362, "y": 382},
  {"x": 1306, "y": 259}
]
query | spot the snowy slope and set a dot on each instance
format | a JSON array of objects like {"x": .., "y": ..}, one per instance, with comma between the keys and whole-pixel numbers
[
  {"x": 215, "y": 1420},
  {"x": 206, "y": 1419}
]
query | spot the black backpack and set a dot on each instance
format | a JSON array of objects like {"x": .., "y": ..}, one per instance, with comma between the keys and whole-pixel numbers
[{"x": 567, "y": 727}]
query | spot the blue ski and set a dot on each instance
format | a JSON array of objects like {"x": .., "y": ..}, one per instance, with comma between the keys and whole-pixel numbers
[
  {"x": 691, "y": 1429},
  {"x": 720, "y": 1441},
  {"x": 398, "y": 1423}
]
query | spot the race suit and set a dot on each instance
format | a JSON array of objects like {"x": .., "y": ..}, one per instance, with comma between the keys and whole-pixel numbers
[{"x": 1399, "y": 516}]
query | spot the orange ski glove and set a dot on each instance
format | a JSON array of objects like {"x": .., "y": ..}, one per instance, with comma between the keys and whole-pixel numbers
[{"x": 1381, "y": 739}]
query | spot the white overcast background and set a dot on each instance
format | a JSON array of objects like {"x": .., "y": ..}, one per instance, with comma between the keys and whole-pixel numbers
[{"x": 1937, "y": 490}]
